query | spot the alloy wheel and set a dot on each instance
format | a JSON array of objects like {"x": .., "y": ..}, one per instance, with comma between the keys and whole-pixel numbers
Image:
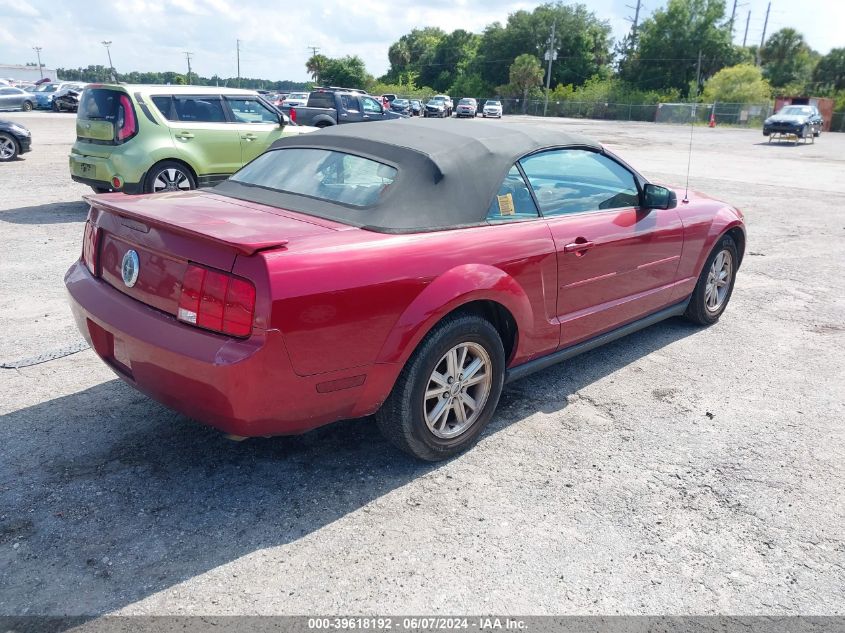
[
  {"x": 7, "y": 147},
  {"x": 457, "y": 390},
  {"x": 718, "y": 281},
  {"x": 171, "y": 179}
]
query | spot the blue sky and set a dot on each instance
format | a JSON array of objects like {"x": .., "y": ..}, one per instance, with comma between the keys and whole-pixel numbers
[{"x": 153, "y": 35}]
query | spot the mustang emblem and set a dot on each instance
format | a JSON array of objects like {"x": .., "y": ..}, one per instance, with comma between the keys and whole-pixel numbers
[{"x": 129, "y": 268}]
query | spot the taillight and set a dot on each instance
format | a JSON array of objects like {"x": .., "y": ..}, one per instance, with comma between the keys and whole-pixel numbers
[
  {"x": 292, "y": 114},
  {"x": 90, "y": 245},
  {"x": 217, "y": 301},
  {"x": 127, "y": 125}
]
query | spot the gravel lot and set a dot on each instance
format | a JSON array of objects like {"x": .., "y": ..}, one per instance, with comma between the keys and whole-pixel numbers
[{"x": 680, "y": 470}]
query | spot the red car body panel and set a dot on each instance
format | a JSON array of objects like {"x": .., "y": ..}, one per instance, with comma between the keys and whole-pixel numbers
[{"x": 339, "y": 309}]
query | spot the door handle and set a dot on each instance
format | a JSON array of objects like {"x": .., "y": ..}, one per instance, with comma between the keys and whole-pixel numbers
[
  {"x": 249, "y": 137},
  {"x": 577, "y": 247},
  {"x": 184, "y": 135},
  {"x": 366, "y": 116}
]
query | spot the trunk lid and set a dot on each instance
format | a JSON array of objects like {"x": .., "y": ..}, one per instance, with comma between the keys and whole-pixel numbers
[{"x": 167, "y": 231}]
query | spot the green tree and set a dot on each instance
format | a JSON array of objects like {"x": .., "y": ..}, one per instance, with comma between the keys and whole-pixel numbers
[
  {"x": 830, "y": 71},
  {"x": 314, "y": 65},
  {"x": 582, "y": 43},
  {"x": 786, "y": 58},
  {"x": 525, "y": 73},
  {"x": 346, "y": 71},
  {"x": 450, "y": 58},
  {"x": 666, "y": 53},
  {"x": 413, "y": 52},
  {"x": 743, "y": 83}
]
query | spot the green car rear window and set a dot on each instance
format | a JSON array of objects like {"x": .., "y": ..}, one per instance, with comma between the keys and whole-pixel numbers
[
  {"x": 319, "y": 173},
  {"x": 99, "y": 104}
]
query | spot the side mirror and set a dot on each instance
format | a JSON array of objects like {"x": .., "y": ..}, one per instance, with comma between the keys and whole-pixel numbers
[{"x": 656, "y": 197}]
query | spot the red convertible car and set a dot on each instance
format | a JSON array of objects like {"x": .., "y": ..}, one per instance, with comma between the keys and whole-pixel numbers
[{"x": 407, "y": 270}]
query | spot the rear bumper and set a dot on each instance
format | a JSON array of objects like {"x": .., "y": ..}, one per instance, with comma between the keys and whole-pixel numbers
[
  {"x": 244, "y": 387},
  {"x": 128, "y": 187}
]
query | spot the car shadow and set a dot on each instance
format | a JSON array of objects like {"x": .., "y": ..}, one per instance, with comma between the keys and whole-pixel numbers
[
  {"x": 52, "y": 213},
  {"x": 107, "y": 497}
]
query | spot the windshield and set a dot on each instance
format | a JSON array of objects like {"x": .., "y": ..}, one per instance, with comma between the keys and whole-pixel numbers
[
  {"x": 319, "y": 173},
  {"x": 467, "y": 102},
  {"x": 796, "y": 110},
  {"x": 400, "y": 102},
  {"x": 492, "y": 103},
  {"x": 436, "y": 101}
]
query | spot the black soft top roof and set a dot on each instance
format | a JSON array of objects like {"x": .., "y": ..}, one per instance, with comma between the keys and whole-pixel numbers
[{"x": 449, "y": 170}]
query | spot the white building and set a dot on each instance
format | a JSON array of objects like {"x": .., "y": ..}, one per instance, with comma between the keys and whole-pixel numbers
[{"x": 25, "y": 73}]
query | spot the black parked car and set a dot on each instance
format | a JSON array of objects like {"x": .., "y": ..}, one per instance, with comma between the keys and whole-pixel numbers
[
  {"x": 66, "y": 101},
  {"x": 402, "y": 106},
  {"x": 416, "y": 107},
  {"x": 800, "y": 120},
  {"x": 14, "y": 139}
]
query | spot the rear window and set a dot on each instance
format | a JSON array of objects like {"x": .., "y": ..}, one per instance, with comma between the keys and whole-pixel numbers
[
  {"x": 99, "y": 104},
  {"x": 321, "y": 100},
  {"x": 319, "y": 173}
]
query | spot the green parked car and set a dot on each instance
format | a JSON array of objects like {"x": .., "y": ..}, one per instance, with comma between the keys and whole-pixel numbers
[{"x": 146, "y": 139}]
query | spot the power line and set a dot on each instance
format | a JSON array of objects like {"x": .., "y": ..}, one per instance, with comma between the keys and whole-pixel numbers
[
  {"x": 635, "y": 21},
  {"x": 238, "y": 42},
  {"x": 107, "y": 44},
  {"x": 763, "y": 38},
  {"x": 747, "y": 21}
]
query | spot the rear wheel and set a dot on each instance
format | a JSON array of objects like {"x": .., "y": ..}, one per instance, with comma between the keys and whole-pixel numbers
[
  {"x": 715, "y": 284},
  {"x": 170, "y": 176},
  {"x": 100, "y": 189},
  {"x": 8, "y": 147},
  {"x": 448, "y": 390}
]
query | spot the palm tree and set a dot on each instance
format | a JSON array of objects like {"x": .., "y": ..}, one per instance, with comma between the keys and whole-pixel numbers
[
  {"x": 314, "y": 65},
  {"x": 526, "y": 73}
]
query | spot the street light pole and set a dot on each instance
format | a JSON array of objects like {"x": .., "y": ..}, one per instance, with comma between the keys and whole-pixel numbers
[
  {"x": 37, "y": 50},
  {"x": 107, "y": 44}
]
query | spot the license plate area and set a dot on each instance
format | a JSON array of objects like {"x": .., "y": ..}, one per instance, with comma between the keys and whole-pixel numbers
[{"x": 110, "y": 348}]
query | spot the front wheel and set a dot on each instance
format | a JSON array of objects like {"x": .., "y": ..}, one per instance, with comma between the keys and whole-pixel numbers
[
  {"x": 8, "y": 147},
  {"x": 169, "y": 176},
  {"x": 27, "y": 106},
  {"x": 448, "y": 390},
  {"x": 715, "y": 284}
]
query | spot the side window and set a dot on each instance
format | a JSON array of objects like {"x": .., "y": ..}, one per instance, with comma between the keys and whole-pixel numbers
[
  {"x": 577, "y": 180},
  {"x": 164, "y": 104},
  {"x": 513, "y": 201},
  {"x": 201, "y": 109},
  {"x": 349, "y": 103},
  {"x": 370, "y": 105},
  {"x": 251, "y": 111}
]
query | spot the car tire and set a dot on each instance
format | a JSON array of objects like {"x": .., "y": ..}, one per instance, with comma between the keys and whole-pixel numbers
[
  {"x": 172, "y": 175},
  {"x": 713, "y": 291},
  {"x": 416, "y": 424},
  {"x": 54, "y": 106},
  {"x": 26, "y": 106},
  {"x": 97, "y": 189},
  {"x": 9, "y": 148}
]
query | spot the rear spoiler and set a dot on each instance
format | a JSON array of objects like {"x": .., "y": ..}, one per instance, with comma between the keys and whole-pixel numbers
[{"x": 243, "y": 230}]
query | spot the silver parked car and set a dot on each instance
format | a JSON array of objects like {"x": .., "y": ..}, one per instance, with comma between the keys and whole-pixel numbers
[{"x": 16, "y": 99}]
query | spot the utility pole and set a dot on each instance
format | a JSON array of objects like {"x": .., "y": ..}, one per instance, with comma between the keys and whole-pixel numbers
[
  {"x": 37, "y": 50},
  {"x": 107, "y": 44},
  {"x": 635, "y": 22},
  {"x": 733, "y": 14},
  {"x": 698, "y": 74},
  {"x": 747, "y": 21},
  {"x": 239, "y": 62},
  {"x": 551, "y": 54},
  {"x": 316, "y": 49},
  {"x": 188, "y": 58},
  {"x": 763, "y": 38}
]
